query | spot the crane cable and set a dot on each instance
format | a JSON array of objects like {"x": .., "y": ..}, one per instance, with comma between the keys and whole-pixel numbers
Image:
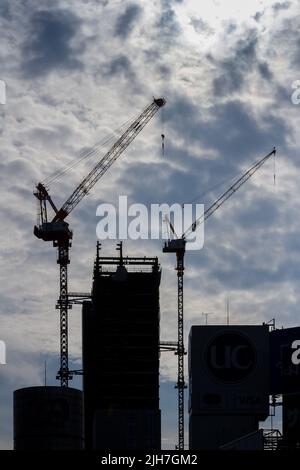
[
  {"x": 211, "y": 189},
  {"x": 96, "y": 150},
  {"x": 163, "y": 132},
  {"x": 223, "y": 183},
  {"x": 82, "y": 156}
]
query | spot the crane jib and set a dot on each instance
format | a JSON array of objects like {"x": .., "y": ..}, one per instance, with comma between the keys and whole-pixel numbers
[
  {"x": 220, "y": 201},
  {"x": 109, "y": 158}
]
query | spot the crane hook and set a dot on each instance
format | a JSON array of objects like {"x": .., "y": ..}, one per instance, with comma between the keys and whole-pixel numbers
[
  {"x": 274, "y": 150},
  {"x": 163, "y": 144}
]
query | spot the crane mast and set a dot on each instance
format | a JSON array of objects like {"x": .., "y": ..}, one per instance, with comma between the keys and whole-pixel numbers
[
  {"x": 181, "y": 386},
  {"x": 58, "y": 232},
  {"x": 178, "y": 246}
]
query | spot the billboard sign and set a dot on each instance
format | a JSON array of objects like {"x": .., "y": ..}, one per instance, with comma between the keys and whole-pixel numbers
[
  {"x": 228, "y": 370},
  {"x": 285, "y": 361}
]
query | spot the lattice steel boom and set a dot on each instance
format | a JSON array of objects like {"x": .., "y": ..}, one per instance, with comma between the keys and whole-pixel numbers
[{"x": 104, "y": 164}]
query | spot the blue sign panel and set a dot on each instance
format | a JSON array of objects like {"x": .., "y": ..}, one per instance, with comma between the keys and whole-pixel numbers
[{"x": 285, "y": 361}]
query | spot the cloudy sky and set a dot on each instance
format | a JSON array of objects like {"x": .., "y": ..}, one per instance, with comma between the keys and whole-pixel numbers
[{"x": 74, "y": 72}]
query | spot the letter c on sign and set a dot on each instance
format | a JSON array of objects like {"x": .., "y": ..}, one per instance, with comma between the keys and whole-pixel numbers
[
  {"x": 296, "y": 354},
  {"x": 234, "y": 358}
]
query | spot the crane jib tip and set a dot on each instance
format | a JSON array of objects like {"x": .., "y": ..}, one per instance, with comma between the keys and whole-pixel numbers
[{"x": 160, "y": 102}]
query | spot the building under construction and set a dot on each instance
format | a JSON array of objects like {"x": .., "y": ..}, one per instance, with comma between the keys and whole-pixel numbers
[{"x": 121, "y": 354}]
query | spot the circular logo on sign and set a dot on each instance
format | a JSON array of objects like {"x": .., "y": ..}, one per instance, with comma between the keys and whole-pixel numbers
[{"x": 230, "y": 357}]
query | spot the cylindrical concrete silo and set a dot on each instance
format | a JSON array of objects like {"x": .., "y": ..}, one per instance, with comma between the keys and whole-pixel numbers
[{"x": 48, "y": 418}]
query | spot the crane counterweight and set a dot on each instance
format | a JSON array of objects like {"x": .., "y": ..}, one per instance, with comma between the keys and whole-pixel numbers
[
  {"x": 175, "y": 246},
  {"x": 53, "y": 231}
]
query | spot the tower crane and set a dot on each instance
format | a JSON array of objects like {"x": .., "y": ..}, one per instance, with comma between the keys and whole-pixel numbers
[
  {"x": 57, "y": 230},
  {"x": 177, "y": 246}
]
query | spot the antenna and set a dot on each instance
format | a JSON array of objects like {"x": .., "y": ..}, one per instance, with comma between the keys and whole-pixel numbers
[
  {"x": 274, "y": 169},
  {"x": 120, "y": 249},
  {"x": 227, "y": 311},
  {"x": 205, "y": 314},
  {"x": 45, "y": 373}
]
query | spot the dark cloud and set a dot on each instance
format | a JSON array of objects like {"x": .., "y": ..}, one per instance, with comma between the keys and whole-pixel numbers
[
  {"x": 201, "y": 26},
  {"x": 5, "y": 9},
  {"x": 231, "y": 27},
  {"x": 258, "y": 15},
  {"x": 281, "y": 6},
  {"x": 164, "y": 71},
  {"x": 288, "y": 35},
  {"x": 120, "y": 66},
  {"x": 296, "y": 56},
  {"x": 168, "y": 3},
  {"x": 277, "y": 8},
  {"x": 292, "y": 240},
  {"x": 127, "y": 20},
  {"x": 232, "y": 131},
  {"x": 142, "y": 189},
  {"x": 48, "y": 45},
  {"x": 235, "y": 69},
  {"x": 236, "y": 134},
  {"x": 242, "y": 276},
  {"x": 168, "y": 26},
  {"x": 261, "y": 212},
  {"x": 265, "y": 71},
  {"x": 236, "y": 272}
]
